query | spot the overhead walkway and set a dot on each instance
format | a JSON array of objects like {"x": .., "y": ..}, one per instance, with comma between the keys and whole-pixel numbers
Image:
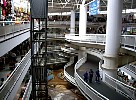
[{"x": 128, "y": 42}]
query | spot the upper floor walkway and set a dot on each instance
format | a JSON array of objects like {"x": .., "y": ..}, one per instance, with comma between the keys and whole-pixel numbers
[
  {"x": 127, "y": 41},
  {"x": 14, "y": 34}
]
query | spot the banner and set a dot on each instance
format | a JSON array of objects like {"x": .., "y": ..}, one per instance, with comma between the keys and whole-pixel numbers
[
  {"x": 39, "y": 8},
  {"x": 94, "y": 7}
]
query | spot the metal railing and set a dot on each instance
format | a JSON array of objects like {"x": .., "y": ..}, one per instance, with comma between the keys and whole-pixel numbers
[
  {"x": 13, "y": 78},
  {"x": 69, "y": 50},
  {"x": 55, "y": 35},
  {"x": 53, "y": 48},
  {"x": 12, "y": 30},
  {"x": 56, "y": 60},
  {"x": 127, "y": 41},
  {"x": 122, "y": 88},
  {"x": 28, "y": 90},
  {"x": 68, "y": 76},
  {"x": 58, "y": 22},
  {"x": 87, "y": 91},
  {"x": 96, "y": 53},
  {"x": 87, "y": 38},
  {"x": 76, "y": 23},
  {"x": 131, "y": 68},
  {"x": 5, "y": 30}
]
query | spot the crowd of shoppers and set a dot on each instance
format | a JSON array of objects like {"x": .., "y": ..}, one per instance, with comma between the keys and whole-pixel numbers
[{"x": 88, "y": 76}]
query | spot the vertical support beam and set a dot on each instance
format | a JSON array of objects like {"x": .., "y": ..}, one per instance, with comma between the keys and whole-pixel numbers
[
  {"x": 32, "y": 55},
  {"x": 39, "y": 12},
  {"x": 82, "y": 20},
  {"x": 113, "y": 35},
  {"x": 72, "y": 25},
  {"x": 45, "y": 61}
]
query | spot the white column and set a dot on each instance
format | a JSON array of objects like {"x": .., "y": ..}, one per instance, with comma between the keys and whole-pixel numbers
[
  {"x": 72, "y": 25},
  {"x": 82, "y": 20},
  {"x": 113, "y": 34}
]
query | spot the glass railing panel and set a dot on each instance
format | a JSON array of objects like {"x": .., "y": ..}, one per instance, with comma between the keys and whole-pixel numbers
[
  {"x": 13, "y": 29},
  {"x": 128, "y": 41},
  {"x": 88, "y": 38}
]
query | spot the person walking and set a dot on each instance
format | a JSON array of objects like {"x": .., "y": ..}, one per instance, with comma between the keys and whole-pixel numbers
[
  {"x": 86, "y": 76},
  {"x": 97, "y": 78},
  {"x": 91, "y": 75}
]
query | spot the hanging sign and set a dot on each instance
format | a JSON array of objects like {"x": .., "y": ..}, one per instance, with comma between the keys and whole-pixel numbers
[{"x": 94, "y": 7}]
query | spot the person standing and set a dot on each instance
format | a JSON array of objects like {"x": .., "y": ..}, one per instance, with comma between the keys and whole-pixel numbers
[
  {"x": 86, "y": 76},
  {"x": 91, "y": 75},
  {"x": 97, "y": 79}
]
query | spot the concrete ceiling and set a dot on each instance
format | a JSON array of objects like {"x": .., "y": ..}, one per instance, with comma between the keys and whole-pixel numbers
[{"x": 59, "y": 6}]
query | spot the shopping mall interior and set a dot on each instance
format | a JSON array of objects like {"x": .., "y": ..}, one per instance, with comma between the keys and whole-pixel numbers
[{"x": 67, "y": 50}]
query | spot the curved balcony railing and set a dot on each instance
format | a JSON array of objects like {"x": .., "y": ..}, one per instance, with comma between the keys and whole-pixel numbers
[
  {"x": 15, "y": 75},
  {"x": 54, "y": 35},
  {"x": 88, "y": 38},
  {"x": 121, "y": 87},
  {"x": 53, "y": 61},
  {"x": 76, "y": 23},
  {"x": 127, "y": 41},
  {"x": 88, "y": 91},
  {"x": 28, "y": 90},
  {"x": 96, "y": 52},
  {"x": 61, "y": 22},
  {"x": 54, "y": 48},
  {"x": 58, "y": 22},
  {"x": 69, "y": 50},
  {"x": 131, "y": 68},
  {"x": 56, "y": 60},
  {"x": 68, "y": 76}
]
